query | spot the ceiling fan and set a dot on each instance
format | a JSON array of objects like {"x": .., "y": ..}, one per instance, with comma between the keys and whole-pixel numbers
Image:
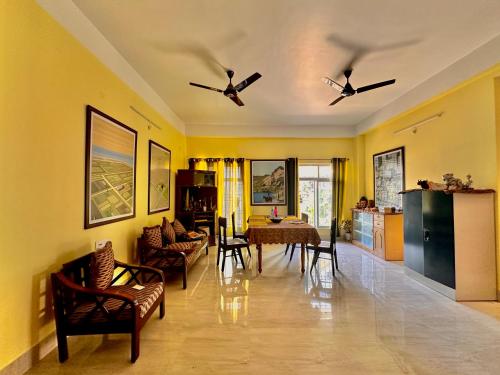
[
  {"x": 348, "y": 90},
  {"x": 232, "y": 91}
]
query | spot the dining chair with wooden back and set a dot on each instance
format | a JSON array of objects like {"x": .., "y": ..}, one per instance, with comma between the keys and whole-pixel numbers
[
  {"x": 226, "y": 245},
  {"x": 305, "y": 218},
  {"x": 327, "y": 247},
  {"x": 239, "y": 235}
]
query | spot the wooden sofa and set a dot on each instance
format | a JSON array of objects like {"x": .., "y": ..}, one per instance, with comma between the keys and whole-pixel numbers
[
  {"x": 82, "y": 309},
  {"x": 177, "y": 257}
]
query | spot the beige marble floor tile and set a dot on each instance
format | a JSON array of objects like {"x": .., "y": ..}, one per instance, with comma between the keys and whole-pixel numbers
[{"x": 369, "y": 319}]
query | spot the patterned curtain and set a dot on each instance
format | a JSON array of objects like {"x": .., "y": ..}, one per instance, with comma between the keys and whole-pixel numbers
[
  {"x": 339, "y": 170},
  {"x": 233, "y": 193}
]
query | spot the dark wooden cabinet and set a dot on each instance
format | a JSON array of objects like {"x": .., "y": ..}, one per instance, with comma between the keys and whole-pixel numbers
[
  {"x": 449, "y": 242},
  {"x": 196, "y": 200}
]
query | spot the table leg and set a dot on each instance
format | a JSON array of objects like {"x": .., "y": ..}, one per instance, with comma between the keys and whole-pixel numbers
[
  {"x": 302, "y": 260},
  {"x": 259, "y": 256}
]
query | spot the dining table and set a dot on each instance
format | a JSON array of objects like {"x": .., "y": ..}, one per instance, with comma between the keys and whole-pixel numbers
[{"x": 261, "y": 230}]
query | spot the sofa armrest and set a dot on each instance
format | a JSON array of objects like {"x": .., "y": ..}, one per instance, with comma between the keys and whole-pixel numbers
[
  {"x": 62, "y": 281},
  {"x": 135, "y": 270}
]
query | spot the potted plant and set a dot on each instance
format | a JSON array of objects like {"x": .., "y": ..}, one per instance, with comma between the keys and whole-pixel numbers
[{"x": 346, "y": 227}]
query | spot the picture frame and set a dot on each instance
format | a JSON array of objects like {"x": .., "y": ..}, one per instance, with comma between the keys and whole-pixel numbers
[
  {"x": 110, "y": 169},
  {"x": 159, "y": 171},
  {"x": 389, "y": 178},
  {"x": 268, "y": 182}
]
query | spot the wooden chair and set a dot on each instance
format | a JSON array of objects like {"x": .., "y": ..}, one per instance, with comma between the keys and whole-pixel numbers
[
  {"x": 81, "y": 309},
  {"x": 305, "y": 218},
  {"x": 231, "y": 245},
  {"x": 326, "y": 247},
  {"x": 239, "y": 235}
]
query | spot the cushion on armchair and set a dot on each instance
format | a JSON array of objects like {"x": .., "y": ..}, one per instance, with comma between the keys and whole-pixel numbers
[
  {"x": 167, "y": 232},
  {"x": 186, "y": 247},
  {"x": 152, "y": 236},
  {"x": 179, "y": 228},
  {"x": 102, "y": 265}
]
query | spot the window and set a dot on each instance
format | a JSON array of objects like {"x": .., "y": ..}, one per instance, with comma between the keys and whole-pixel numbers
[{"x": 315, "y": 193}]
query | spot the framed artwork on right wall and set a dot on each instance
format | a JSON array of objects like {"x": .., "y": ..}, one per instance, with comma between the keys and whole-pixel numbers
[{"x": 389, "y": 177}]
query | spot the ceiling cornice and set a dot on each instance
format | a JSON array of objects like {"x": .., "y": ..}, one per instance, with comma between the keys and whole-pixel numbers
[
  {"x": 284, "y": 131},
  {"x": 476, "y": 62},
  {"x": 77, "y": 24}
]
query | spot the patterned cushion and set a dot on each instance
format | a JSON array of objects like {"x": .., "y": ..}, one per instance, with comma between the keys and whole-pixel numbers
[
  {"x": 168, "y": 232},
  {"x": 186, "y": 247},
  {"x": 152, "y": 236},
  {"x": 179, "y": 228},
  {"x": 145, "y": 298},
  {"x": 102, "y": 266}
]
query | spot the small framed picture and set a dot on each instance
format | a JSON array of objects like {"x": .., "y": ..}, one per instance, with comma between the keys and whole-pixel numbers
[
  {"x": 268, "y": 182},
  {"x": 159, "y": 178},
  {"x": 389, "y": 177}
]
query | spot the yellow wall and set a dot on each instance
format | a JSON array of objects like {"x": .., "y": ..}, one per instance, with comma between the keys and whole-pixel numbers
[
  {"x": 277, "y": 148},
  {"x": 47, "y": 78},
  {"x": 462, "y": 141}
]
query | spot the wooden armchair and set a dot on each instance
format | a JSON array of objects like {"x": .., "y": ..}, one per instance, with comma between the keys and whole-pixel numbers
[{"x": 123, "y": 307}]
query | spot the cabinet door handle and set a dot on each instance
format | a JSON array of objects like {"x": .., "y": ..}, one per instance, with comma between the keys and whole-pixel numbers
[{"x": 427, "y": 235}]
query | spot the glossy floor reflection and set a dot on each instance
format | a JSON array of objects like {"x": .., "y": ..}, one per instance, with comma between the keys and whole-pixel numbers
[{"x": 370, "y": 319}]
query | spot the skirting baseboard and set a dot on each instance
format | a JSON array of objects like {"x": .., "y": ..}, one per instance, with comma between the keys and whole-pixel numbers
[
  {"x": 31, "y": 357},
  {"x": 438, "y": 287}
]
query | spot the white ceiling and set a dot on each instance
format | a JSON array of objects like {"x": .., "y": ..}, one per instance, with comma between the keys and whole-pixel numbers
[{"x": 292, "y": 43}]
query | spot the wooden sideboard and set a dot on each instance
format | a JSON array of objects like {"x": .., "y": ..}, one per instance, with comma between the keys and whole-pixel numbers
[{"x": 378, "y": 233}]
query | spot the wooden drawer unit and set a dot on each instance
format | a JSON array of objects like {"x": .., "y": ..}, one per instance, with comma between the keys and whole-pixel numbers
[{"x": 387, "y": 238}]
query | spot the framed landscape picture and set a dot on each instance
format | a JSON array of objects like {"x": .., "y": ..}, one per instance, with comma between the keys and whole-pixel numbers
[
  {"x": 389, "y": 177},
  {"x": 268, "y": 182},
  {"x": 110, "y": 165},
  {"x": 159, "y": 178}
]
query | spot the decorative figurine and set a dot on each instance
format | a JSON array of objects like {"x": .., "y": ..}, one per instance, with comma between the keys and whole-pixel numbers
[
  {"x": 468, "y": 182},
  {"x": 452, "y": 183}
]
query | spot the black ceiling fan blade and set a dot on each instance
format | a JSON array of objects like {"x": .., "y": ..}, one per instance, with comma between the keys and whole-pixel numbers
[
  {"x": 247, "y": 82},
  {"x": 332, "y": 83},
  {"x": 375, "y": 86},
  {"x": 337, "y": 100},
  {"x": 235, "y": 99},
  {"x": 205, "y": 87}
]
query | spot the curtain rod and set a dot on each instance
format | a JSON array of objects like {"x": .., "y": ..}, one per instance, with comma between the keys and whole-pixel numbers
[
  {"x": 150, "y": 122},
  {"x": 413, "y": 127},
  {"x": 322, "y": 159}
]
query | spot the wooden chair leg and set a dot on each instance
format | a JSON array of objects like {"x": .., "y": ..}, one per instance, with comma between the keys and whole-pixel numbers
[
  {"x": 136, "y": 336},
  {"x": 223, "y": 260},
  {"x": 62, "y": 346},
  {"x": 333, "y": 265},
  {"x": 218, "y": 253},
  {"x": 249, "y": 252},
  {"x": 162, "y": 307},
  {"x": 184, "y": 277},
  {"x": 293, "y": 249},
  {"x": 241, "y": 257},
  {"x": 315, "y": 259},
  {"x": 336, "y": 261},
  {"x": 287, "y": 246}
]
